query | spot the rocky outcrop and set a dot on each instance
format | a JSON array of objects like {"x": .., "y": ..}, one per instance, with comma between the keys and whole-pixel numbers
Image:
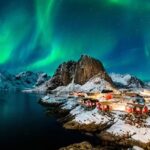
[
  {"x": 72, "y": 125},
  {"x": 124, "y": 140},
  {"x": 79, "y": 146},
  {"x": 88, "y": 146},
  {"x": 79, "y": 72}
]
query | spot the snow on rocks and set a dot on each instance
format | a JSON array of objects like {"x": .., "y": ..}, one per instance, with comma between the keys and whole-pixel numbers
[
  {"x": 96, "y": 84},
  {"x": 52, "y": 99},
  {"x": 64, "y": 90},
  {"x": 70, "y": 104},
  {"x": 77, "y": 110},
  {"x": 87, "y": 117},
  {"x": 127, "y": 80},
  {"x": 119, "y": 128},
  {"x": 138, "y": 134},
  {"x": 123, "y": 79},
  {"x": 148, "y": 122},
  {"x": 137, "y": 148}
]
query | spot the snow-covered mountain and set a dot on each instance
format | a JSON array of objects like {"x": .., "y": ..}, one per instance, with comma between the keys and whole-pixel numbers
[
  {"x": 21, "y": 81},
  {"x": 97, "y": 83},
  {"x": 127, "y": 81}
]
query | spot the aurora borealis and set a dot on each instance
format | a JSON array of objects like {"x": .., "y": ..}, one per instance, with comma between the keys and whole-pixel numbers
[{"x": 40, "y": 34}]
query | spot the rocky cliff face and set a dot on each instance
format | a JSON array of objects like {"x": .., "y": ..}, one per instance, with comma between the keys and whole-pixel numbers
[
  {"x": 63, "y": 75},
  {"x": 88, "y": 67},
  {"x": 79, "y": 72}
]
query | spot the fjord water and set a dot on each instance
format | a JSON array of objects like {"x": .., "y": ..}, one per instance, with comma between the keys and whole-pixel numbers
[{"x": 24, "y": 124}]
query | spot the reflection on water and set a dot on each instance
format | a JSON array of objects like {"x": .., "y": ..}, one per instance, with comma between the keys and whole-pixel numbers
[{"x": 23, "y": 124}]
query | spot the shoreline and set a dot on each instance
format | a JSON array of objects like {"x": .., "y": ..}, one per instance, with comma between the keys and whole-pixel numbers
[{"x": 99, "y": 130}]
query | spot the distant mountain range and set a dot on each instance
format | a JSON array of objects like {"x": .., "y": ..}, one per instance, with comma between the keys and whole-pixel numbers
[
  {"x": 21, "y": 81},
  {"x": 89, "y": 73},
  {"x": 127, "y": 81}
]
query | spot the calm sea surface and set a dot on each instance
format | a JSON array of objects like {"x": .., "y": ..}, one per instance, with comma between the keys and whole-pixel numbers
[{"x": 24, "y": 124}]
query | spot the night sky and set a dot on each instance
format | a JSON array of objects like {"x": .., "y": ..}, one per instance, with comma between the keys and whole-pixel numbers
[{"x": 40, "y": 34}]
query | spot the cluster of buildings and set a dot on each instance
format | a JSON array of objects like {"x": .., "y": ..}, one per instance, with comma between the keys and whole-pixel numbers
[{"x": 105, "y": 101}]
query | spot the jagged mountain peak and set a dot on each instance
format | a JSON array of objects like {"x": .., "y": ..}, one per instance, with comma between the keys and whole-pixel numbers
[{"x": 80, "y": 72}]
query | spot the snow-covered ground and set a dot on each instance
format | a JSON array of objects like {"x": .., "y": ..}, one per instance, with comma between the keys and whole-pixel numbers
[
  {"x": 136, "y": 148},
  {"x": 53, "y": 99},
  {"x": 138, "y": 134},
  {"x": 87, "y": 117},
  {"x": 118, "y": 128}
]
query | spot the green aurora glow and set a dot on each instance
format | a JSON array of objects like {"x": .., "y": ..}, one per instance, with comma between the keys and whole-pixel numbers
[{"x": 39, "y": 35}]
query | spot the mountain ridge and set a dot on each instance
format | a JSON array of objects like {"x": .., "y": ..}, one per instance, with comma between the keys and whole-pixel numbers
[{"x": 81, "y": 72}]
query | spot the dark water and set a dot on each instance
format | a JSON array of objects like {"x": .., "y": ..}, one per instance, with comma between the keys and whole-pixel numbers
[{"x": 23, "y": 124}]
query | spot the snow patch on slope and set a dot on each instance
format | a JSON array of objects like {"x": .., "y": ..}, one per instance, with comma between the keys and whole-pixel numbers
[
  {"x": 63, "y": 90},
  {"x": 96, "y": 84},
  {"x": 88, "y": 117}
]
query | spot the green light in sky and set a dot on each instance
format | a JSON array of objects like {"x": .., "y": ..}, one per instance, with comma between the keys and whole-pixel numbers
[
  {"x": 121, "y": 2},
  {"x": 12, "y": 32},
  {"x": 44, "y": 16}
]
